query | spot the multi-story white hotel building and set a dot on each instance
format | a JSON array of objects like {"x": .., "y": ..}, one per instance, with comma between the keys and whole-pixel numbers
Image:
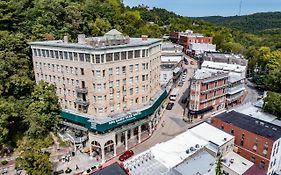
[{"x": 109, "y": 85}]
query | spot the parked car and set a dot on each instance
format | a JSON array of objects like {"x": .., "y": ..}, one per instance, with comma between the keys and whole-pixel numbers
[
  {"x": 126, "y": 155},
  {"x": 180, "y": 83},
  {"x": 184, "y": 100},
  {"x": 58, "y": 172},
  {"x": 170, "y": 106}
]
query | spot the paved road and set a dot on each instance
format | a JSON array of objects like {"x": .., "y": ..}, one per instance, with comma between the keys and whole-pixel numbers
[
  {"x": 252, "y": 93},
  {"x": 171, "y": 123}
]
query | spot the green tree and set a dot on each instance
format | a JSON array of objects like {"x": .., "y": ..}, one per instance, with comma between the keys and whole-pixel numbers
[
  {"x": 32, "y": 156},
  {"x": 218, "y": 167},
  {"x": 99, "y": 27},
  {"x": 42, "y": 114},
  {"x": 272, "y": 103}
]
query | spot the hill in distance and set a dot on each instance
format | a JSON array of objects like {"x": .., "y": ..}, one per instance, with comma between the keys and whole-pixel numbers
[{"x": 254, "y": 23}]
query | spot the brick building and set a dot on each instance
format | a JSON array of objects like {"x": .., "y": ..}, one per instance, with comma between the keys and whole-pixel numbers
[
  {"x": 255, "y": 140},
  {"x": 188, "y": 37},
  {"x": 207, "y": 92},
  {"x": 236, "y": 82}
]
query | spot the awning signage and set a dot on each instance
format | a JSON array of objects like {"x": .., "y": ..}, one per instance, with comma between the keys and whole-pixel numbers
[{"x": 103, "y": 127}]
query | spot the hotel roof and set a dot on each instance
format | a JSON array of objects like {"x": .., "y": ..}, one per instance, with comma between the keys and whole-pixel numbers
[
  {"x": 259, "y": 127},
  {"x": 134, "y": 42}
]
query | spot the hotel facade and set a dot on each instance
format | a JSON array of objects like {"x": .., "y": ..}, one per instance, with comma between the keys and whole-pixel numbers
[{"x": 108, "y": 86}]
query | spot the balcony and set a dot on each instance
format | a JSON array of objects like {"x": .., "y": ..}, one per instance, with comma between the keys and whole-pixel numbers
[
  {"x": 233, "y": 98},
  {"x": 81, "y": 90},
  {"x": 236, "y": 89},
  {"x": 82, "y": 102}
]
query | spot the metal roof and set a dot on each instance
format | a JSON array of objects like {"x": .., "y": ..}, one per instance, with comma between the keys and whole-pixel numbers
[
  {"x": 113, "y": 169},
  {"x": 259, "y": 127}
]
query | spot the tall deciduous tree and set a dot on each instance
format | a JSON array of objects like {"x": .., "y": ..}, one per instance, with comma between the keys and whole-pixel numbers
[
  {"x": 43, "y": 112},
  {"x": 272, "y": 103},
  {"x": 32, "y": 156}
]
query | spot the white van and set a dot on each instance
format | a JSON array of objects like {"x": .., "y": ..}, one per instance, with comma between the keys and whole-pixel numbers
[{"x": 174, "y": 94}]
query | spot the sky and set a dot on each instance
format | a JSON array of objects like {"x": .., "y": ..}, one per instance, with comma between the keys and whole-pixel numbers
[{"x": 198, "y": 8}]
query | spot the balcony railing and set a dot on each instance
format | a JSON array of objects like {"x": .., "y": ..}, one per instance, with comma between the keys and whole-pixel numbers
[
  {"x": 81, "y": 90},
  {"x": 234, "y": 97},
  {"x": 236, "y": 89},
  {"x": 82, "y": 102}
]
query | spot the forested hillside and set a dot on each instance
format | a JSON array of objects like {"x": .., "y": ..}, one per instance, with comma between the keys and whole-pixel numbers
[
  {"x": 255, "y": 23},
  {"x": 266, "y": 25},
  {"x": 28, "y": 111}
]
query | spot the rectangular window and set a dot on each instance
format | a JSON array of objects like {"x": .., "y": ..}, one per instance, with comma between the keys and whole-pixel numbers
[
  {"x": 108, "y": 57},
  {"x": 102, "y": 58},
  {"x": 143, "y": 53},
  {"x": 75, "y": 56},
  {"x": 262, "y": 164},
  {"x": 116, "y": 56},
  {"x": 70, "y": 56},
  {"x": 52, "y": 54},
  {"x": 98, "y": 73},
  {"x": 117, "y": 70},
  {"x": 87, "y": 57},
  {"x": 143, "y": 77},
  {"x": 99, "y": 87},
  {"x": 137, "y": 53},
  {"x": 57, "y": 54},
  {"x": 110, "y": 84},
  {"x": 130, "y": 54},
  {"x": 137, "y": 79},
  {"x": 131, "y": 80},
  {"x": 131, "y": 91},
  {"x": 137, "y": 90},
  {"x": 43, "y": 53},
  {"x": 82, "y": 57},
  {"x": 65, "y": 56},
  {"x": 60, "y": 55},
  {"x": 137, "y": 67},
  {"x": 99, "y": 99},
  {"x": 123, "y": 55},
  {"x": 124, "y": 69},
  {"x": 143, "y": 66},
  {"x": 97, "y": 58},
  {"x": 34, "y": 52},
  {"x": 117, "y": 83},
  {"x": 131, "y": 68},
  {"x": 110, "y": 71},
  {"x": 47, "y": 53}
]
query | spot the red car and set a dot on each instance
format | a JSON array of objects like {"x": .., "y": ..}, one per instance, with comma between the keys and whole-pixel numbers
[{"x": 126, "y": 155}]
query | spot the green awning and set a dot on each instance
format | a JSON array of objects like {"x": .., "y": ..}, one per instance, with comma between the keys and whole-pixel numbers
[{"x": 103, "y": 127}]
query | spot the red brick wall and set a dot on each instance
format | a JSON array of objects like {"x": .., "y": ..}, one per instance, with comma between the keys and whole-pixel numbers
[
  {"x": 246, "y": 150},
  {"x": 186, "y": 40}
]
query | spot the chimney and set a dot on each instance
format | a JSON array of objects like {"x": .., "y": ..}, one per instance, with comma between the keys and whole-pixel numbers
[
  {"x": 65, "y": 39},
  {"x": 144, "y": 37},
  {"x": 81, "y": 39}
]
